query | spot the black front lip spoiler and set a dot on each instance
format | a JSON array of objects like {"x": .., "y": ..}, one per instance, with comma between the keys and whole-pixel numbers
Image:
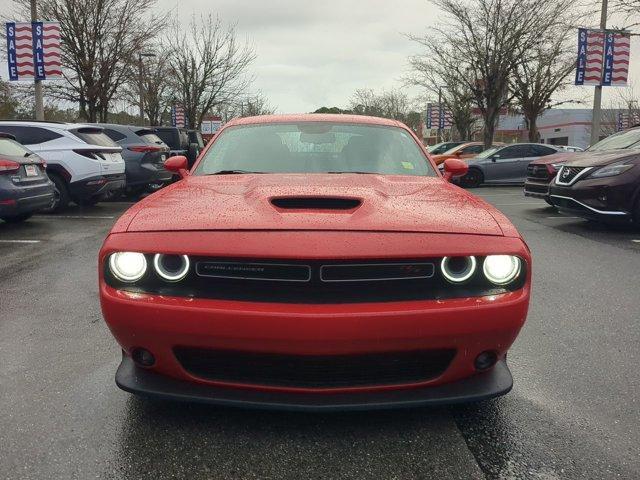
[{"x": 484, "y": 386}]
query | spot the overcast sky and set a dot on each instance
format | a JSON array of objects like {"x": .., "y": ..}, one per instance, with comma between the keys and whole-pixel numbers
[
  {"x": 311, "y": 54},
  {"x": 317, "y": 53}
]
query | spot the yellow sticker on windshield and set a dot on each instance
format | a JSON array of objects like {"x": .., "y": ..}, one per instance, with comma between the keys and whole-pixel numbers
[{"x": 408, "y": 165}]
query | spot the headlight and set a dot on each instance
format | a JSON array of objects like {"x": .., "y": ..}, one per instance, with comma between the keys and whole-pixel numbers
[
  {"x": 171, "y": 267},
  {"x": 501, "y": 269},
  {"x": 611, "y": 170},
  {"x": 128, "y": 266},
  {"x": 458, "y": 269}
]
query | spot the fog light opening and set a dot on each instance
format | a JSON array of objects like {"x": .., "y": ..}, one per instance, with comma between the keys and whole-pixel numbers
[
  {"x": 485, "y": 360},
  {"x": 143, "y": 357}
]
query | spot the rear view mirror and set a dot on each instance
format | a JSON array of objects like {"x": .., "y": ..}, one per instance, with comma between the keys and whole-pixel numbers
[
  {"x": 454, "y": 168},
  {"x": 177, "y": 164}
]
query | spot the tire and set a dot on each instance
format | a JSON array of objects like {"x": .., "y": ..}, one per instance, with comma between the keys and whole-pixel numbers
[
  {"x": 61, "y": 195},
  {"x": 87, "y": 202},
  {"x": 473, "y": 179},
  {"x": 17, "y": 218}
]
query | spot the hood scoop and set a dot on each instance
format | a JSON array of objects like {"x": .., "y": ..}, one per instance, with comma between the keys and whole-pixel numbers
[{"x": 316, "y": 203}]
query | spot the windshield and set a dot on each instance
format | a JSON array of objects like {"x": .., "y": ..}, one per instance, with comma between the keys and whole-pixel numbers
[
  {"x": 12, "y": 148},
  {"x": 318, "y": 147},
  {"x": 628, "y": 139},
  {"x": 94, "y": 136},
  {"x": 488, "y": 153}
]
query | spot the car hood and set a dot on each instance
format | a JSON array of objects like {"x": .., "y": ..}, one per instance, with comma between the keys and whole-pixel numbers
[
  {"x": 244, "y": 202},
  {"x": 559, "y": 157},
  {"x": 598, "y": 159}
]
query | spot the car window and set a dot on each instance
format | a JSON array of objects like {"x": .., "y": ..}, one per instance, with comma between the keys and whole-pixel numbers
[
  {"x": 184, "y": 140},
  {"x": 149, "y": 135},
  {"x": 114, "y": 134},
  {"x": 472, "y": 149},
  {"x": 487, "y": 153},
  {"x": 541, "y": 151},
  {"x": 196, "y": 137},
  {"x": 317, "y": 147},
  {"x": 12, "y": 148},
  {"x": 93, "y": 136},
  {"x": 441, "y": 148},
  {"x": 516, "y": 151},
  {"x": 626, "y": 139},
  {"x": 28, "y": 135},
  {"x": 170, "y": 137}
]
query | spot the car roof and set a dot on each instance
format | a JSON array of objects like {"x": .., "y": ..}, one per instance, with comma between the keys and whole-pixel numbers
[
  {"x": 48, "y": 124},
  {"x": 316, "y": 117}
]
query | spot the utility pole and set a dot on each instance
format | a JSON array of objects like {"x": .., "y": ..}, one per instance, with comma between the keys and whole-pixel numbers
[
  {"x": 597, "y": 95},
  {"x": 439, "y": 134},
  {"x": 38, "y": 83}
]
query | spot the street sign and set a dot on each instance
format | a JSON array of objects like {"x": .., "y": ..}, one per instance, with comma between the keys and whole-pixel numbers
[
  {"x": 33, "y": 51},
  {"x": 438, "y": 116},
  {"x": 628, "y": 119}
]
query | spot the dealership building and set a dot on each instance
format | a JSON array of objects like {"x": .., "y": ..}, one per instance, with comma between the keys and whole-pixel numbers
[{"x": 557, "y": 126}]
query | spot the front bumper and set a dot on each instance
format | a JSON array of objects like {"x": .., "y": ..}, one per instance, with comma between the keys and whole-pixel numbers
[
  {"x": 536, "y": 189},
  {"x": 163, "y": 324},
  {"x": 606, "y": 199},
  {"x": 139, "y": 381}
]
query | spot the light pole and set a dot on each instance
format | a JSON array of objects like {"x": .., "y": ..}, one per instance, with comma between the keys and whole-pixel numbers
[
  {"x": 597, "y": 95},
  {"x": 141, "y": 84},
  {"x": 440, "y": 113},
  {"x": 39, "y": 103}
]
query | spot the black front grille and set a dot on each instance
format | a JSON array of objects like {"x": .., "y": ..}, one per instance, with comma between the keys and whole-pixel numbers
[
  {"x": 568, "y": 174},
  {"x": 314, "y": 281},
  {"x": 313, "y": 371},
  {"x": 538, "y": 173}
]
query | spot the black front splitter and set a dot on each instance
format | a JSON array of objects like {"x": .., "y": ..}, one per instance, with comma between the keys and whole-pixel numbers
[{"x": 483, "y": 386}]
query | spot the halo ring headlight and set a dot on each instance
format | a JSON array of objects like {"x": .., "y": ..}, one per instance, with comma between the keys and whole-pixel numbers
[
  {"x": 501, "y": 269},
  {"x": 173, "y": 273},
  {"x": 463, "y": 271},
  {"x": 128, "y": 266}
]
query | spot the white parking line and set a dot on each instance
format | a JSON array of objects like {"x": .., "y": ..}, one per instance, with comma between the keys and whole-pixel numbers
[
  {"x": 102, "y": 217},
  {"x": 20, "y": 241},
  {"x": 635, "y": 241},
  {"x": 509, "y": 204},
  {"x": 561, "y": 216}
]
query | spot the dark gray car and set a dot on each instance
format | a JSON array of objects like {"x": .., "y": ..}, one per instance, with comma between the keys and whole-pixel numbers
[
  {"x": 25, "y": 187},
  {"x": 144, "y": 154},
  {"x": 504, "y": 164}
]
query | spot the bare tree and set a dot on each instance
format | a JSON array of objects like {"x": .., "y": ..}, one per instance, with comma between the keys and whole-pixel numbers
[
  {"x": 157, "y": 90},
  {"x": 427, "y": 71},
  {"x": 100, "y": 42},
  {"x": 482, "y": 42},
  {"x": 209, "y": 67},
  {"x": 536, "y": 80}
]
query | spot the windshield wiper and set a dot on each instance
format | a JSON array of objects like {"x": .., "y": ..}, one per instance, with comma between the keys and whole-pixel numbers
[{"x": 232, "y": 172}]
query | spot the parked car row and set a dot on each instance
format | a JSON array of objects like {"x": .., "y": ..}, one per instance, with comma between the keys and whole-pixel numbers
[
  {"x": 83, "y": 163},
  {"x": 600, "y": 183}
]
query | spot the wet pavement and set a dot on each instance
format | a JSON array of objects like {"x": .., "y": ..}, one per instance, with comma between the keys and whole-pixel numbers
[{"x": 573, "y": 412}]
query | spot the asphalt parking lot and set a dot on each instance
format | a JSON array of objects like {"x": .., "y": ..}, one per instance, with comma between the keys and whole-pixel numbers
[{"x": 574, "y": 411}]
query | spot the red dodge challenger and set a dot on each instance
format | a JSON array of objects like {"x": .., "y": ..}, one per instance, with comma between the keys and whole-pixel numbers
[{"x": 314, "y": 262}]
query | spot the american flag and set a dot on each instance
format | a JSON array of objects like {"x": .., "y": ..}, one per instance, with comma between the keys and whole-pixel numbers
[
  {"x": 33, "y": 50},
  {"x": 590, "y": 53},
  {"x": 178, "y": 117}
]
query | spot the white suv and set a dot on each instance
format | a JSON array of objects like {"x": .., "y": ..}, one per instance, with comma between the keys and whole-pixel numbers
[{"x": 84, "y": 164}]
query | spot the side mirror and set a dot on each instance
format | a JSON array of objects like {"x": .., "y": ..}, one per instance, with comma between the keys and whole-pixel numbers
[
  {"x": 177, "y": 164},
  {"x": 454, "y": 168},
  {"x": 495, "y": 157}
]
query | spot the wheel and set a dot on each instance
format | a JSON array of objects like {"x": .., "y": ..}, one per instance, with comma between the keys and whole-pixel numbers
[
  {"x": 17, "y": 218},
  {"x": 474, "y": 178},
  {"x": 61, "y": 195}
]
